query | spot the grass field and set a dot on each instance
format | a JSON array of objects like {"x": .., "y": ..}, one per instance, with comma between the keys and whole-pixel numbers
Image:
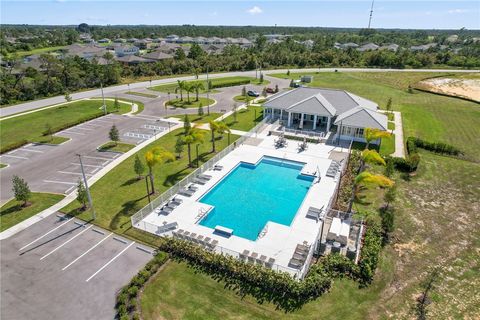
[
  {"x": 12, "y": 212},
  {"x": 117, "y": 147},
  {"x": 387, "y": 146},
  {"x": 141, "y": 94},
  {"x": 119, "y": 194},
  {"x": 171, "y": 87},
  {"x": 245, "y": 118},
  {"x": 427, "y": 116},
  {"x": 30, "y": 127},
  {"x": 241, "y": 98},
  {"x": 198, "y": 119},
  {"x": 391, "y": 125},
  {"x": 38, "y": 51},
  {"x": 185, "y": 104}
]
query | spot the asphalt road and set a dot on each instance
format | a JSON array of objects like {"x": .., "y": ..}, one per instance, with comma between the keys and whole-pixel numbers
[
  {"x": 62, "y": 269},
  {"x": 141, "y": 85}
]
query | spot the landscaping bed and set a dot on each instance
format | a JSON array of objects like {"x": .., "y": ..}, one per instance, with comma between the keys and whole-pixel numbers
[
  {"x": 198, "y": 119},
  {"x": 246, "y": 119},
  {"x": 214, "y": 83},
  {"x": 116, "y": 147},
  {"x": 193, "y": 103}
]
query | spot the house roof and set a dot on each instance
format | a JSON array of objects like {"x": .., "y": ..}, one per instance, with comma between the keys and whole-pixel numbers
[
  {"x": 158, "y": 55},
  {"x": 316, "y": 104},
  {"x": 368, "y": 46},
  {"x": 132, "y": 59},
  {"x": 363, "y": 118}
]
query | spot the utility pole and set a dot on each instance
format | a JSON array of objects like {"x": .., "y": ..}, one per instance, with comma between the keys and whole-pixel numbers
[
  {"x": 371, "y": 13},
  {"x": 103, "y": 99},
  {"x": 208, "y": 92},
  {"x": 86, "y": 187}
]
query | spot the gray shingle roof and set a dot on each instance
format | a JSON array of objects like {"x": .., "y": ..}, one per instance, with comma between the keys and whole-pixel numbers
[{"x": 363, "y": 118}]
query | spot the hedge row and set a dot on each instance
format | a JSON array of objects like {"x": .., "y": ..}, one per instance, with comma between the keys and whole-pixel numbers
[
  {"x": 437, "y": 147},
  {"x": 126, "y": 305},
  {"x": 229, "y": 83}
]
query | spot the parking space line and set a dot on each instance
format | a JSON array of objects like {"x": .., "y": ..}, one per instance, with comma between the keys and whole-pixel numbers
[
  {"x": 28, "y": 150},
  {"x": 83, "y": 128},
  {"x": 78, "y": 234},
  {"x": 18, "y": 157},
  {"x": 61, "y": 182},
  {"x": 82, "y": 134},
  {"x": 87, "y": 165},
  {"x": 95, "y": 170},
  {"x": 75, "y": 173},
  {"x": 46, "y": 234},
  {"x": 69, "y": 189},
  {"x": 86, "y": 252},
  {"x": 98, "y": 120},
  {"x": 99, "y": 158},
  {"x": 111, "y": 260}
]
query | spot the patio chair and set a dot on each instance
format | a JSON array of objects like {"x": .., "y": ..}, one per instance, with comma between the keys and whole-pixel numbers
[
  {"x": 193, "y": 187},
  {"x": 218, "y": 167},
  {"x": 206, "y": 241},
  {"x": 262, "y": 260},
  {"x": 193, "y": 236},
  {"x": 187, "y": 193},
  {"x": 299, "y": 257},
  {"x": 176, "y": 200},
  {"x": 295, "y": 263},
  {"x": 213, "y": 244},
  {"x": 204, "y": 176},
  {"x": 270, "y": 262},
  {"x": 199, "y": 181},
  {"x": 244, "y": 255},
  {"x": 166, "y": 208},
  {"x": 199, "y": 239},
  {"x": 314, "y": 213}
]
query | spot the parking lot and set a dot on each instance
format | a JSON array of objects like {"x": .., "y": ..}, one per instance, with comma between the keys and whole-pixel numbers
[{"x": 64, "y": 268}]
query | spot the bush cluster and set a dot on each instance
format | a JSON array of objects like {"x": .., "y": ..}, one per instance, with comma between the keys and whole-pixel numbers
[
  {"x": 346, "y": 183},
  {"x": 437, "y": 147},
  {"x": 371, "y": 246},
  {"x": 126, "y": 304},
  {"x": 228, "y": 83}
]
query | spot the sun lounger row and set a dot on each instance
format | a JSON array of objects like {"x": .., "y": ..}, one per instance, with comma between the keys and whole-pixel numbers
[
  {"x": 255, "y": 259},
  {"x": 206, "y": 242},
  {"x": 169, "y": 206},
  {"x": 189, "y": 191},
  {"x": 333, "y": 169},
  {"x": 299, "y": 256},
  {"x": 314, "y": 213}
]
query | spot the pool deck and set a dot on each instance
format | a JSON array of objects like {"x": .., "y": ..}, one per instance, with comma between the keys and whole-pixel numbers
[{"x": 280, "y": 241}]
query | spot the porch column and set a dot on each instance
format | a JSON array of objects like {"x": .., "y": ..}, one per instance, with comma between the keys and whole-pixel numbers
[
  {"x": 328, "y": 123},
  {"x": 314, "y": 122},
  {"x": 301, "y": 120},
  {"x": 289, "y": 119},
  {"x": 281, "y": 114}
]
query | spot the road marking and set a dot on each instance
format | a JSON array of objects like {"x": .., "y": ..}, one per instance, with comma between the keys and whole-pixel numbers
[
  {"x": 87, "y": 165},
  {"x": 86, "y": 252},
  {"x": 99, "y": 158},
  {"x": 78, "y": 234},
  {"x": 69, "y": 189},
  {"x": 28, "y": 150},
  {"x": 83, "y": 128},
  {"x": 113, "y": 259},
  {"x": 8, "y": 155},
  {"x": 75, "y": 173},
  {"x": 98, "y": 120},
  {"x": 39, "y": 238},
  {"x": 95, "y": 170},
  {"x": 69, "y": 131},
  {"x": 61, "y": 182}
]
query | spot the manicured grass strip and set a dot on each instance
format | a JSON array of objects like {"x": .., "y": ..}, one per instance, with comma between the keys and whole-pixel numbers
[
  {"x": 387, "y": 146},
  {"x": 38, "y": 51},
  {"x": 117, "y": 147},
  {"x": 246, "y": 119},
  {"x": 198, "y": 119},
  {"x": 241, "y": 98},
  {"x": 184, "y": 104},
  {"x": 391, "y": 116},
  {"x": 12, "y": 212},
  {"x": 30, "y": 127},
  {"x": 2, "y": 165},
  {"x": 215, "y": 82},
  {"x": 119, "y": 194},
  {"x": 141, "y": 94},
  {"x": 391, "y": 125},
  {"x": 50, "y": 140}
]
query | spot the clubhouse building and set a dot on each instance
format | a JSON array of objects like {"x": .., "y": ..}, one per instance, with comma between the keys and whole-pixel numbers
[{"x": 332, "y": 113}]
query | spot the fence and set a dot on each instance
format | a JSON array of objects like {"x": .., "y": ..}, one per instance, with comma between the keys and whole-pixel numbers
[{"x": 164, "y": 197}]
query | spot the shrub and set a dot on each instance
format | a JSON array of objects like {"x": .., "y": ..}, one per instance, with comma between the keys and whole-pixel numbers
[
  {"x": 229, "y": 83},
  {"x": 437, "y": 147},
  {"x": 372, "y": 244}
]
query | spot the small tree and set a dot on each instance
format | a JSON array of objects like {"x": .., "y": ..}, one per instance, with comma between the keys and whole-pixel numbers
[
  {"x": 261, "y": 77},
  {"x": 49, "y": 131},
  {"x": 82, "y": 196},
  {"x": 138, "y": 167},
  {"x": 288, "y": 72},
  {"x": 114, "y": 134},
  {"x": 116, "y": 104},
  {"x": 389, "y": 104},
  {"x": 186, "y": 124},
  {"x": 276, "y": 88},
  {"x": 200, "y": 110},
  {"x": 264, "y": 92},
  {"x": 389, "y": 168},
  {"x": 292, "y": 83},
  {"x": 410, "y": 89},
  {"x": 244, "y": 91},
  {"x": 234, "y": 113},
  {"x": 21, "y": 190},
  {"x": 68, "y": 97},
  {"x": 179, "y": 147}
]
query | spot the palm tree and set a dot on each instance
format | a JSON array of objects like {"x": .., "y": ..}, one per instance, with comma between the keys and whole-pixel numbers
[
  {"x": 197, "y": 86},
  {"x": 189, "y": 87},
  {"x": 155, "y": 156},
  {"x": 217, "y": 126},
  {"x": 194, "y": 135},
  {"x": 180, "y": 87},
  {"x": 371, "y": 134}
]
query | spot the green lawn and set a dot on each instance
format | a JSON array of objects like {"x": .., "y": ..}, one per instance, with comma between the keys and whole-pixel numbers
[
  {"x": 38, "y": 51},
  {"x": 12, "y": 212},
  {"x": 185, "y": 104},
  {"x": 425, "y": 115},
  {"x": 2, "y": 165},
  {"x": 241, "y": 98},
  {"x": 387, "y": 146},
  {"x": 198, "y": 119},
  {"x": 117, "y": 147},
  {"x": 391, "y": 125},
  {"x": 391, "y": 116},
  {"x": 119, "y": 194},
  {"x": 246, "y": 119},
  {"x": 219, "y": 82},
  {"x": 30, "y": 127},
  {"x": 141, "y": 94}
]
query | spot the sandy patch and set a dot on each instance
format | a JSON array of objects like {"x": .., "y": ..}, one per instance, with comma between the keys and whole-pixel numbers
[{"x": 467, "y": 88}]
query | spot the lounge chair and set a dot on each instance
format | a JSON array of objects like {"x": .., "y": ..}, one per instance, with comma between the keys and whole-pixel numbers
[
  {"x": 187, "y": 193},
  {"x": 176, "y": 201},
  {"x": 204, "y": 176},
  {"x": 213, "y": 244},
  {"x": 199, "y": 239},
  {"x": 171, "y": 205},
  {"x": 193, "y": 236},
  {"x": 206, "y": 241},
  {"x": 193, "y": 187},
  {"x": 166, "y": 208},
  {"x": 298, "y": 256},
  {"x": 295, "y": 263},
  {"x": 314, "y": 213},
  {"x": 302, "y": 248},
  {"x": 262, "y": 260},
  {"x": 200, "y": 181},
  {"x": 218, "y": 167},
  {"x": 244, "y": 255},
  {"x": 269, "y": 263}
]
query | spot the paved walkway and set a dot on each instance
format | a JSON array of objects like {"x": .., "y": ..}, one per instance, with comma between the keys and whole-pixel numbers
[
  {"x": 398, "y": 132},
  {"x": 72, "y": 195}
]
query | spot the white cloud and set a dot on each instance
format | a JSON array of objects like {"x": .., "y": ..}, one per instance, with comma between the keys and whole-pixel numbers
[
  {"x": 454, "y": 11},
  {"x": 255, "y": 10},
  {"x": 214, "y": 14}
]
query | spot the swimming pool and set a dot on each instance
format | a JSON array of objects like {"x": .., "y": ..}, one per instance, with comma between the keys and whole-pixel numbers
[{"x": 251, "y": 195}]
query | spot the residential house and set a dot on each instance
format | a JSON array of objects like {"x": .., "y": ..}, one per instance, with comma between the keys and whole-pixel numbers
[
  {"x": 171, "y": 38},
  {"x": 423, "y": 47},
  {"x": 157, "y": 55},
  {"x": 132, "y": 59},
  {"x": 132, "y": 40},
  {"x": 392, "y": 47},
  {"x": 185, "y": 40},
  {"x": 143, "y": 44},
  {"x": 213, "y": 48},
  {"x": 368, "y": 47},
  {"x": 126, "y": 50},
  {"x": 104, "y": 40},
  {"x": 84, "y": 51},
  {"x": 339, "y": 112},
  {"x": 119, "y": 40}
]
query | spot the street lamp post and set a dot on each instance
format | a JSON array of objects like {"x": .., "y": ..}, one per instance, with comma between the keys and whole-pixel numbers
[
  {"x": 208, "y": 94},
  {"x": 86, "y": 187},
  {"x": 196, "y": 147},
  {"x": 166, "y": 105},
  {"x": 103, "y": 99}
]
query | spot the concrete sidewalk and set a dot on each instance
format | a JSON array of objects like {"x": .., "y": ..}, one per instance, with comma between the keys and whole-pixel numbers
[
  {"x": 398, "y": 132},
  {"x": 72, "y": 196}
]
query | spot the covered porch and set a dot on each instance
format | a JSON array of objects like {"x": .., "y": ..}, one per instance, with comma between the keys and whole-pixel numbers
[{"x": 300, "y": 120}]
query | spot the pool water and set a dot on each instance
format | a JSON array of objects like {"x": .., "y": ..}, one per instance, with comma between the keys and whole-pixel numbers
[{"x": 251, "y": 195}]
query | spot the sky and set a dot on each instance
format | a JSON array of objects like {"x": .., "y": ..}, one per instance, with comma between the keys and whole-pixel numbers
[{"x": 407, "y": 14}]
